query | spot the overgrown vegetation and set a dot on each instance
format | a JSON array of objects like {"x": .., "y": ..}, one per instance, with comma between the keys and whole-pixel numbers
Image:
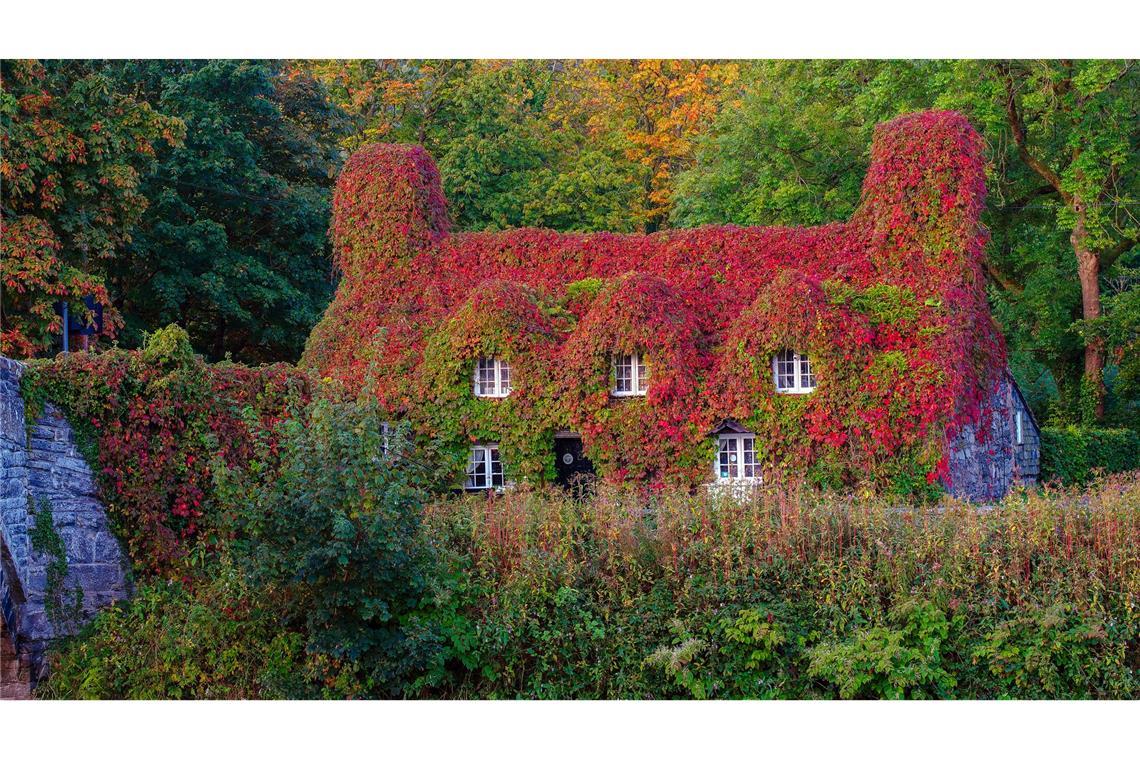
[
  {"x": 791, "y": 594},
  {"x": 155, "y": 424},
  {"x": 1076, "y": 454}
]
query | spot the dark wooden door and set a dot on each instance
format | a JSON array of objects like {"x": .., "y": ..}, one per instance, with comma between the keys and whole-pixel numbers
[{"x": 573, "y": 468}]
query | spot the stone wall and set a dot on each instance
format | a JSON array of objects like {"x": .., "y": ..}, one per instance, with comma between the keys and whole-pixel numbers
[
  {"x": 41, "y": 468},
  {"x": 1027, "y": 453},
  {"x": 984, "y": 468}
]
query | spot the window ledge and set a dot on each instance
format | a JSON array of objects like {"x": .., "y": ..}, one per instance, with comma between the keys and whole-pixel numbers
[
  {"x": 795, "y": 391},
  {"x": 627, "y": 394},
  {"x": 487, "y": 489}
]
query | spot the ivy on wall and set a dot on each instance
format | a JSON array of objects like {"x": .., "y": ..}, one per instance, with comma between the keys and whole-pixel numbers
[
  {"x": 154, "y": 425},
  {"x": 890, "y": 306}
]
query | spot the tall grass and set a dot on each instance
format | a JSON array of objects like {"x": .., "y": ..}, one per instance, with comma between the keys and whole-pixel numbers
[
  {"x": 1085, "y": 537},
  {"x": 1038, "y": 595}
]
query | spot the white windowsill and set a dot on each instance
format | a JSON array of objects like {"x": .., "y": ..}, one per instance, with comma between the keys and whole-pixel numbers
[
  {"x": 626, "y": 394},
  {"x": 484, "y": 489},
  {"x": 795, "y": 391}
]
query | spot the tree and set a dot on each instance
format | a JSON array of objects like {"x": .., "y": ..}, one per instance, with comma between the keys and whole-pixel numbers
[
  {"x": 572, "y": 145},
  {"x": 794, "y": 147},
  {"x": 233, "y": 245},
  {"x": 1076, "y": 125},
  {"x": 74, "y": 153}
]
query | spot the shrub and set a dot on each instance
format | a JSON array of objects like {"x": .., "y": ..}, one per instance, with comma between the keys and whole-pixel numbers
[
  {"x": 1074, "y": 455},
  {"x": 891, "y": 662},
  {"x": 1057, "y": 651},
  {"x": 790, "y": 594},
  {"x": 329, "y": 524},
  {"x": 214, "y": 640}
]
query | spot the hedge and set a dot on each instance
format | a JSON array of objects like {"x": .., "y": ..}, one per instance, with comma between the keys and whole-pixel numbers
[{"x": 1073, "y": 455}]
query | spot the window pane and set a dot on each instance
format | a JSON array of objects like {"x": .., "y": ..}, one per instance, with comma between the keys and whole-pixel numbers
[
  {"x": 477, "y": 468},
  {"x": 727, "y": 458},
  {"x": 496, "y": 468},
  {"x": 807, "y": 377},
  {"x": 748, "y": 452},
  {"x": 485, "y": 378},
  {"x": 786, "y": 370},
  {"x": 504, "y": 378},
  {"x": 642, "y": 373},
  {"x": 623, "y": 373}
]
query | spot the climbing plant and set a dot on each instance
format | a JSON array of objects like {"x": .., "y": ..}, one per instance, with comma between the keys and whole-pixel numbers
[
  {"x": 155, "y": 424},
  {"x": 891, "y": 304}
]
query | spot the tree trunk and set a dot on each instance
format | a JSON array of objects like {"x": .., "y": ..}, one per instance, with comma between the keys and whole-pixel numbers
[{"x": 1088, "y": 270}]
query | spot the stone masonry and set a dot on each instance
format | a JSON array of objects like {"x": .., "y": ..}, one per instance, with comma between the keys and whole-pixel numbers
[
  {"x": 985, "y": 470},
  {"x": 41, "y": 468}
]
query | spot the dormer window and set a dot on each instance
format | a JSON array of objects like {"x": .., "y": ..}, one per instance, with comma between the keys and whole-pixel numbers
[
  {"x": 492, "y": 378},
  {"x": 793, "y": 372},
  {"x": 631, "y": 375}
]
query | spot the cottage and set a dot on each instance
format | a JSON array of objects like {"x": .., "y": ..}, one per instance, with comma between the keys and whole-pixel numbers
[{"x": 855, "y": 352}]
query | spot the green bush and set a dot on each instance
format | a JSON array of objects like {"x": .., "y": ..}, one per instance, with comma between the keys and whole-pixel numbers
[
  {"x": 213, "y": 640},
  {"x": 327, "y": 518},
  {"x": 1074, "y": 455},
  {"x": 904, "y": 659}
]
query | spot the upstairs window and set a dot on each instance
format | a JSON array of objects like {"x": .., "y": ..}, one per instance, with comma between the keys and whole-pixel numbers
[
  {"x": 492, "y": 378},
  {"x": 793, "y": 372},
  {"x": 1020, "y": 434},
  {"x": 631, "y": 375},
  {"x": 484, "y": 469},
  {"x": 736, "y": 459}
]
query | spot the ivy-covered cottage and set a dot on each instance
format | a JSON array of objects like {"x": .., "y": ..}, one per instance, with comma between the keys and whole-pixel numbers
[{"x": 855, "y": 352}]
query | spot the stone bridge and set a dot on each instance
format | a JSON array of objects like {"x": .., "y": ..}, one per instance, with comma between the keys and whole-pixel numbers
[{"x": 43, "y": 476}]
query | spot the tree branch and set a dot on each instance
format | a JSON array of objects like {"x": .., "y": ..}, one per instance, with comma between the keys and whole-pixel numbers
[
  {"x": 1002, "y": 281},
  {"x": 1024, "y": 201},
  {"x": 1019, "y": 134}
]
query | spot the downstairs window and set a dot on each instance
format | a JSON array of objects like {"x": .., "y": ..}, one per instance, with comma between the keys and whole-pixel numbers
[
  {"x": 484, "y": 469},
  {"x": 736, "y": 457}
]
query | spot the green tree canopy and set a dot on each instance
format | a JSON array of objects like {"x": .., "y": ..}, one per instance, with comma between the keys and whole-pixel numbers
[{"x": 233, "y": 245}]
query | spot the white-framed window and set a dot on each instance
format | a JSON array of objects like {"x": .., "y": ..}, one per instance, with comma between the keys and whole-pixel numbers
[
  {"x": 736, "y": 457},
  {"x": 631, "y": 375},
  {"x": 1020, "y": 435},
  {"x": 484, "y": 468},
  {"x": 793, "y": 372},
  {"x": 492, "y": 378}
]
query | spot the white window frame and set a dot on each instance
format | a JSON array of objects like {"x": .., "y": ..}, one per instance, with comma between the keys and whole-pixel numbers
[
  {"x": 803, "y": 375},
  {"x": 487, "y": 455},
  {"x": 500, "y": 381},
  {"x": 638, "y": 377},
  {"x": 734, "y": 444},
  {"x": 1020, "y": 433}
]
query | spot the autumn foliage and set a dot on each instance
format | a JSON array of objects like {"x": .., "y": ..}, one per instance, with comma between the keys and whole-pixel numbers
[
  {"x": 890, "y": 305},
  {"x": 156, "y": 424}
]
